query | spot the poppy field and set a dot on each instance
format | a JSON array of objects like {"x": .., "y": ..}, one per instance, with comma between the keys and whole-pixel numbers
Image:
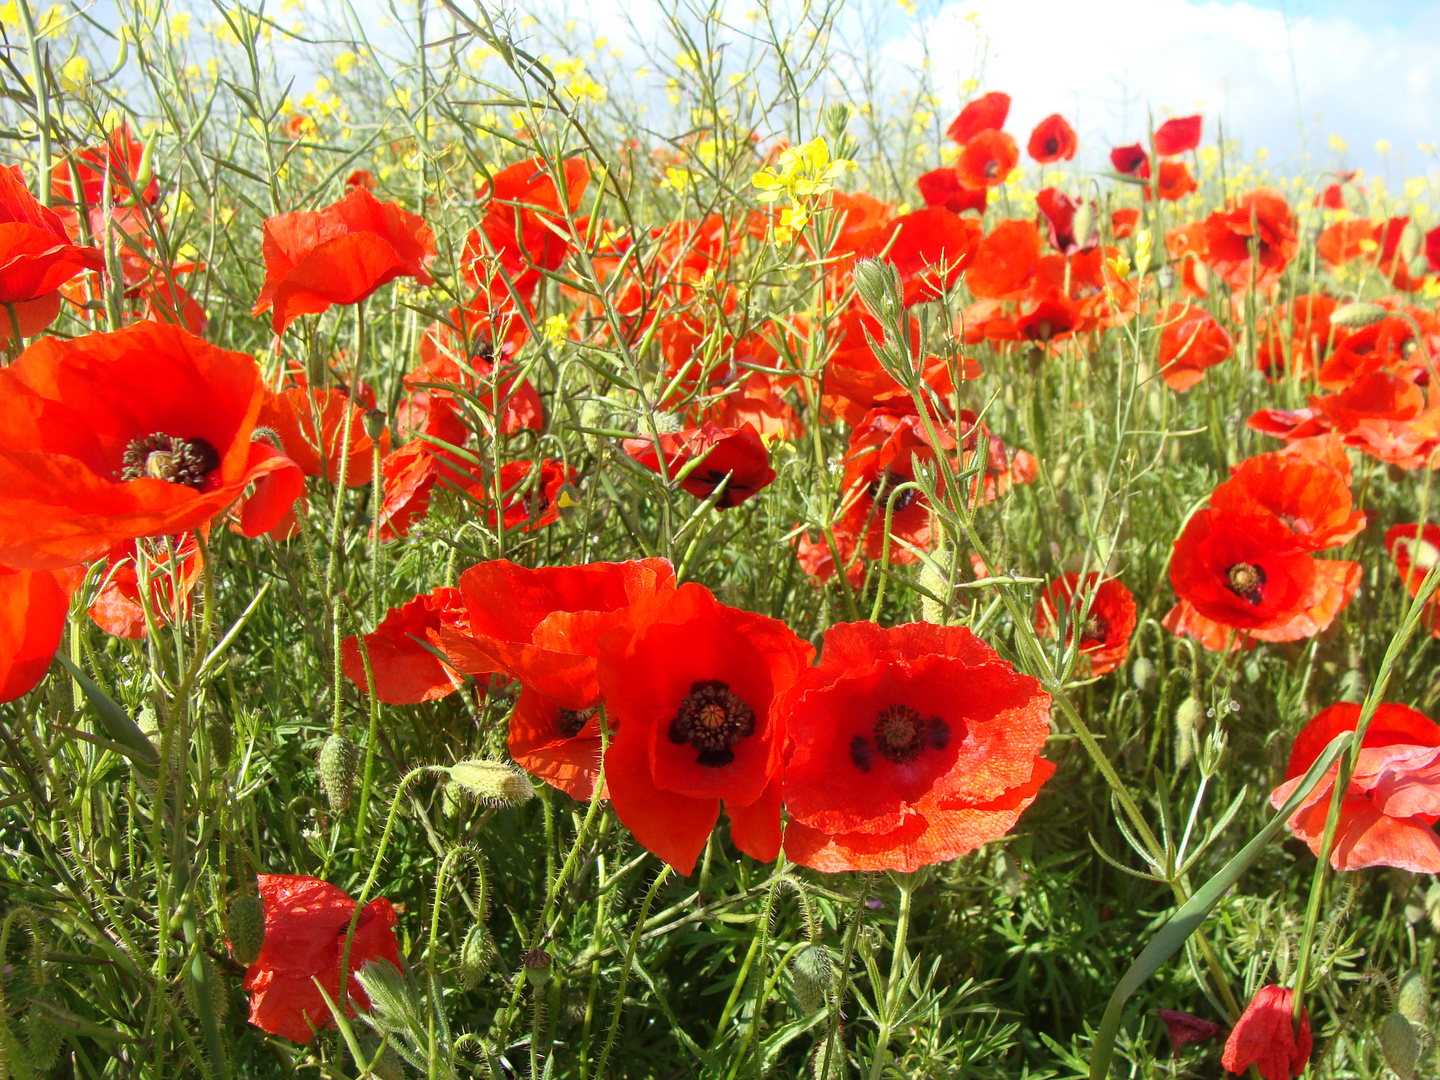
[{"x": 523, "y": 555}]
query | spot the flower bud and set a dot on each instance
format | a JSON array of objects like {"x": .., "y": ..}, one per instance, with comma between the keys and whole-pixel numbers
[
  {"x": 1187, "y": 721},
  {"x": 494, "y": 782},
  {"x": 374, "y": 424},
  {"x": 878, "y": 284},
  {"x": 537, "y": 967},
  {"x": 245, "y": 923},
  {"x": 339, "y": 758},
  {"x": 477, "y": 956},
  {"x": 222, "y": 739},
  {"x": 217, "y": 992},
  {"x": 1419, "y": 266},
  {"x": 42, "y": 1037},
  {"x": 1083, "y": 224},
  {"x": 812, "y": 974},
  {"x": 1356, "y": 315},
  {"x": 1354, "y": 200},
  {"x": 1412, "y": 999},
  {"x": 1400, "y": 1045},
  {"x": 1410, "y": 239},
  {"x": 1142, "y": 673}
]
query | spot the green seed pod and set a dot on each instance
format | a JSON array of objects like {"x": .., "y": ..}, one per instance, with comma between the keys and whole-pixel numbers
[
  {"x": 42, "y": 1037},
  {"x": 1412, "y": 999},
  {"x": 537, "y": 967},
  {"x": 374, "y": 424},
  {"x": 1187, "y": 724},
  {"x": 245, "y": 923},
  {"x": 477, "y": 956},
  {"x": 493, "y": 782},
  {"x": 1142, "y": 673},
  {"x": 222, "y": 739},
  {"x": 1400, "y": 1045},
  {"x": 1356, "y": 315},
  {"x": 812, "y": 975},
  {"x": 339, "y": 758}
]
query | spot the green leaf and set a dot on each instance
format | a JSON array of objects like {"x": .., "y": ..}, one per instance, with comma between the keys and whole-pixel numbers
[
  {"x": 117, "y": 723},
  {"x": 1177, "y": 930}
]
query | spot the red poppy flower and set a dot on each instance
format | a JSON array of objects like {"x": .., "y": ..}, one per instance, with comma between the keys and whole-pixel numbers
[
  {"x": 1414, "y": 553},
  {"x": 117, "y": 160},
  {"x": 1005, "y": 261},
  {"x": 34, "y": 605},
  {"x": 406, "y": 672},
  {"x": 1174, "y": 181},
  {"x": 987, "y": 160},
  {"x": 1432, "y": 248},
  {"x": 1307, "y": 318},
  {"x": 1184, "y": 1027},
  {"x": 1261, "y": 219},
  {"x": 529, "y": 499},
  {"x": 941, "y": 187},
  {"x": 1394, "y": 793},
  {"x": 1058, "y": 210},
  {"x": 167, "y": 301},
  {"x": 1245, "y": 572},
  {"x": 306, "y": 923},
  {"x": 470, "y": 357},
  {"x": 1346, "y": 240},
  {"x": 142, "y": 432},
  {"x": 883, "y": 451},
  {"x": 758, "y": 400},
  {"x": 36, "y": 257},
  {"x": 1265, "y": 1037},
  {"x": 1385, "y": 416},
  {"x": 172, "y": 575},
  {"x": 818, "y": 561},
  {"x": 1131, "y": 161},
  {"x": 409, "y": 476},
  {"x": 908, "y": 746},
  {"x": 1108, "y": 624},
  {"x": 1123, "y": 221},
  {"x": 862, "y": 216},
  {"x": 1050, "y": 316},
  {"x": 310, "y": 423},
  {"x": 929, "y": 248},
  {"x": 854, "y": 380},
  {"x": 985, "y": 113},
  {"x": 1177, "y": 135},
  {"x": 1052, "y": 140},
  {"x": 339, "y": 255},
  {"x": 524, "y": 227},
  {"x": 1190, "y": 343},
  {"x": 1308, "y": 499},
  {"x": 692, "y": 690},
  {"x": 361, "y": 178},
  {"x": 736, "y": 458}
]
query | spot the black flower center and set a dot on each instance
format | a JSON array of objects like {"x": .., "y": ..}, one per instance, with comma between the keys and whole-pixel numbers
[
  {"x": 570, "y": 722},
  {"x": 992, "y": 169},
  {"x": 1043, "y": 330},
  {"x": 712, "y": 720},
  {"x": 881, "y": 487},
  {"x": 900, "y": 736},
  {"x": 1052, "y": 146},
  {"x": 1247, "y": 581},
  {"x": 164, "y": 457}
]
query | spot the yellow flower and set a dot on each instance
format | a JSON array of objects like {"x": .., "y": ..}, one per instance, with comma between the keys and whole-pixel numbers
[
  {"x": 345, "y": 62},
  {"x": 1143, "y": 243},
  {"x": 1338, "y": 144},
  {"x": 75, "y": 74},
  {"x": 556, "y": 329}
]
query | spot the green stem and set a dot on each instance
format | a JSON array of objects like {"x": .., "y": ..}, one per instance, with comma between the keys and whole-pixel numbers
[{"x": 898, "y": 979}]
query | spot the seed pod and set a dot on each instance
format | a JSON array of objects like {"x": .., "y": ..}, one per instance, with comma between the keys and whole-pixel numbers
[
  {"x": 1410, "y": 240},
  {"x": 1357, "y": 315},
  {"x": 374, "y": 422},
  {"x": 812, "y": 975},
  {"x": 477, "y": 956},
  {"x": 1412, "y": 999},
  {"x": 339, "y": 758},
  {"x": 493, "y": 781},
  {"x": 1142, "y": 673},
  {"x": 1354, "y": 200},
  {"x": 1400, "y": 1045},
  {"x": 42, "y": 1037},
  {"x": 537, "y": 967},
  {"x": 1187, "y": 724},
  {"x": 245, "y": 923}
]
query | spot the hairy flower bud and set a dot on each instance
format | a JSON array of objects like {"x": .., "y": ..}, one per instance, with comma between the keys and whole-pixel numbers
[
  {"x": 493, "y": 781},
  {"x": 1410, "y": 240},
  {"x": 1142, "y": 673},
  {"x": 878, "y": 284},
  {"x": 374, "y": 422},
  {"x": 1187, "y": 721},
  {"x": 245, "y": 923},
  {"x": 42, "y": 1037},
  {"x": 477, "y": 956},
  {"x": 339, "y": 758},
  {"x": 1400, "y": 1045},
  {"x": 1357, "y": 315},
  {"x": 1412, "y": 999},
  {"x": 812, "y": 974}
]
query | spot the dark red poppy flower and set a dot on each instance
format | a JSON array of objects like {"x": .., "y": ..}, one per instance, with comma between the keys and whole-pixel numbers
[
  {"x": 1049, "y": 316},
  {"x": 1174, "y": 181},
  {"x": 1131, "y": 161},
  {"x": 1005, "y": 261},
  {"x": 405, "y": 671},
  {"x": 930, "y": 249},
  {"x": 1307, "y": 498},
  {"x": 941, "y": 187},
  {"x": 173, "y": 570},
  {"x": 339, "y": 255},
  {"x": 1259, "y": 219},
  {"x": 524, "y": 229},
  {"x": 1052, "y": 140},
  {"x": 530, "y": 497},
  {"x": 987, "y": 160},
  {"x": 1177, "y": 135},
  {"x": 34, "y": 605},
  {"x": 1107, "y": 626},
  {"x": 36, "y": 258},
  {"x": 692, "y": 689},
  {"x": 1184, "y": 1027},
  {"x": 1393, "y": 800},
  {"x": 735, "y": 458},
  {"x": 1432, "y": 248},
  {"x": 1265, "y": 1037},
  {"x": 1191, "y": 342},
  {"x": 908, "y": 746},
  {"x": 985, "y": 113},
  {"x": 142, "y": 432},
  {"x": 310, "y": 429},
  {"x": 306, "y": 923}
]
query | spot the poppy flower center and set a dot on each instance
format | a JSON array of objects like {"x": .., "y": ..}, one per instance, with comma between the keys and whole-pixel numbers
[
  {"x": 1052, "y": 146},
  {"x": 1044, "y": 330},
  {"x": 712, "y": 719},
  {"x": 570, "y": 722},
  {"x": 900, "y": 736},
  {"x": 992, "y": 169},
  {"x": 1247, "y": 581},
  {"x": 164, "y": 457},
  {"x": 1094, "y": 629},
  {"x": 881, "y": 487}
]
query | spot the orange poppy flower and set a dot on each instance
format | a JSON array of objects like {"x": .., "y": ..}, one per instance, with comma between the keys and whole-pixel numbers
[
  {"x": 735, "y": 458},
  {"x": 1265, "y": 1037},
  {"x": 1381, "y": 346},
  {"x": 1190, "y": 343},
  {"x": 1174, "y": 181},
  {"x": 529, "y": 500},
  {"x": 406, "y": 672},
  {"x": 1347, "y": 240},
  {"x": 930, "y": 249},
  {"x": 1109, "y": 623},
  {"x": 1049, "y": 316},
  {"x": 1305, "y": 496},
  {"x": 310, "y": 423},
  {"x": 908, "y": 746},
  {"x": 524, "y": 227},
  {"x": 691, "y": 691},
  {"x": 482, "y": 374},
  {"x": 1260, "y": 218},
  {"x": 142, "y": 432},
  {"x": 854, "y": 381},
  {"x": 987, "y": 160},
  {"x": 1393, "y": 800},
  {"x": 1131, "y": 161},
  {"x": 1124, "y": 221},
  {"x": 818, "y": 561},
  {"x": 172, "y": 575},
  {"x": 863, "y": 217},
  {"x": 1052, "y": 140},
  {"x": 941, "y": 187},
  {"x": 1385, "y": 416},
  {"x": 34, "y": 605},
  {"x": 985, "y": 113},
  {"x": 36, "y": 258},
  {"x": 339, "y": 255},
  {"x": 1005, "y": 261},
  {"x": 306, "y": 923},
  {"x": 1177, "y": 135}
]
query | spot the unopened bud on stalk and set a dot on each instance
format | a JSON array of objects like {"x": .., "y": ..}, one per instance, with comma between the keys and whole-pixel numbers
[
  {"x": 1410, "y": 239},
  {"x": 1400, "y": 1045},
  {"x": 477, "y": 956},
  {"x": 1354, "y": 200},
  {"x": 812, "y": 974},
  {"x": 245, "y": 923},
  {"x": 374, "y": 424},
  {"x": 493, "y": 781},
  {"x": 537, "y": 967},
  {"x": 339, "y": 758},
  {"x": 1143, "y": 250},
  {"x": 1412, "y": 999},
  {"x": 666, "y": 423},
  {"x": 878, "y": 284},
  {"x": 1419, "y": 266},
  {"x": 222, "y": 739},
  {"x": 1083, "y": 223},
  {"x": 1357, "y": 315},
  {"x": 1142, "y": 673},
  {"x": 1187, "y": 720}
]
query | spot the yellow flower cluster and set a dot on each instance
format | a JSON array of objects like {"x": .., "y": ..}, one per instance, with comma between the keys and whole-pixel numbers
[{"x": 802, "y": 174}]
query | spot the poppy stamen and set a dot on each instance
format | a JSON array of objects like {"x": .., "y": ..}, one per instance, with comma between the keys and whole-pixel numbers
[
  {"x": 1094, "y": 629},
  {"x": 165, "y": 457},
  {"x": 570, "y": 722},
  {"x": 712, "y": 720},
  {"x": 881, "y": 487},
  {"x": 901, "y": 735},
  {"x": 1247, "y": 581}
]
